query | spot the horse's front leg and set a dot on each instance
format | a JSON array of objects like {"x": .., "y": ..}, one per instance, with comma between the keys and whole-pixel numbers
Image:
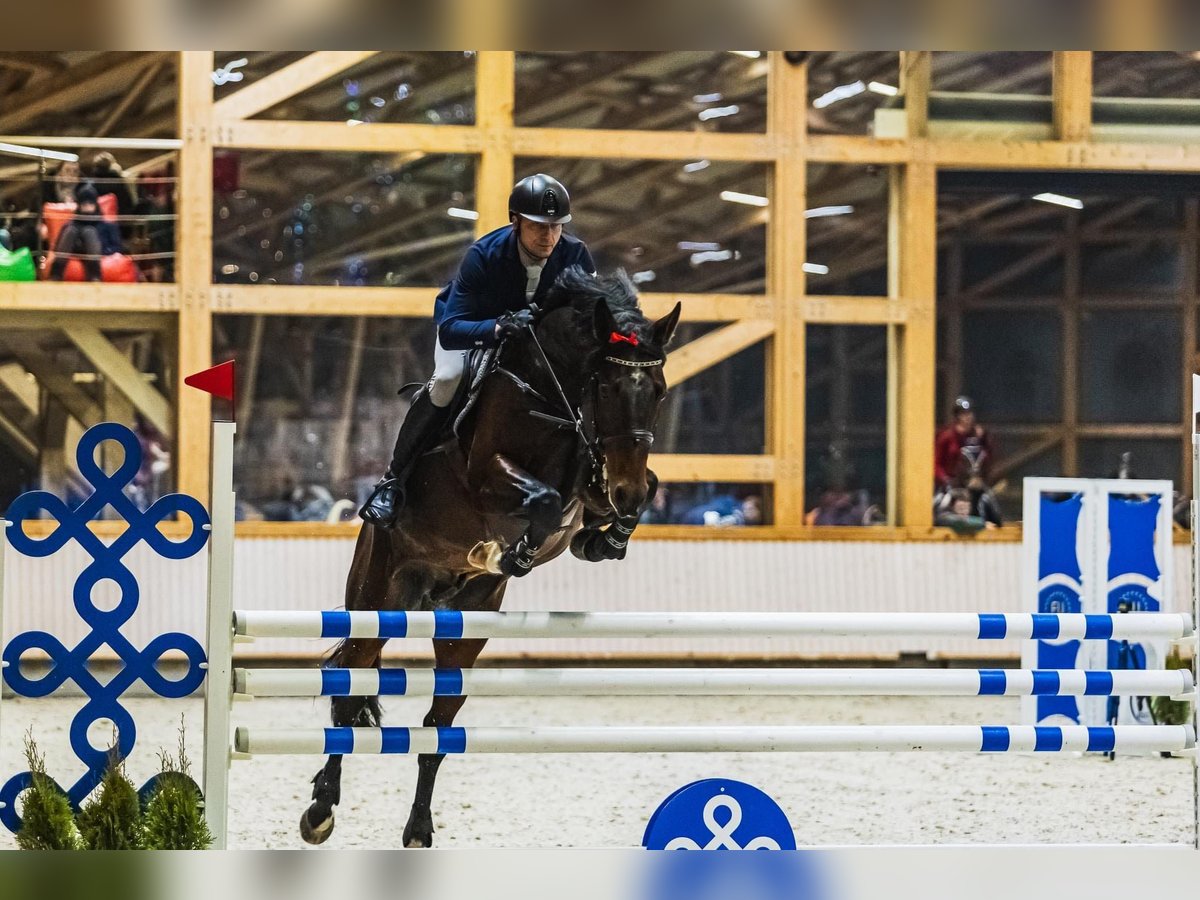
[
  {"x": 507, "y": 489},
  {"x": 608, "y": 538}
]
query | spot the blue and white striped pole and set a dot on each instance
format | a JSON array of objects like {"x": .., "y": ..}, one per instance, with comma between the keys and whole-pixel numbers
[
  {"x": 736, "y": 739},
  {"x": 530, "y": 682}
]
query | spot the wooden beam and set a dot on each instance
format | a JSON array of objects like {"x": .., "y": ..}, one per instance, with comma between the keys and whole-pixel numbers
[
  {"x": 319, "y": 300},
  {"x": 787, "y": 243},
  {"x": 837, "y": 310},
  {"x": 692, "y": 467},
  {"x": 328, "y": 136},
  {"x": 17, "y": 438},
  {"x": 287, "y": 82},
  {"x": 916, "y": 78},
  {"x": 599, "y": 143},
  {"x": 1072, "y": 95},
  {"x": 854, "y": 149},
  {"x": 22, "y": 384},
  {"x": 135, "y": 94},
  {"x": 193, "y": 272},
  {"x": 62, "y": 295},
  {"x": 55, "y": 382},
  {"x": 914, "y": 222},
  {"x": 716, "y": 346},
  {"x": 340, "y": 462},
  {"x": 116, "y": 368},
  {"x": 709, "y": 307},
  {"x": 495, "y": 94}
]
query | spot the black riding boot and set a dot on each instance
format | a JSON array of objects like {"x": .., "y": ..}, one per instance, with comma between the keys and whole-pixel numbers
[{"x": 420, "y": 429}]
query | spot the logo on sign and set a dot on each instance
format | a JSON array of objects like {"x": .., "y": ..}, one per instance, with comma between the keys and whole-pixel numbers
[{"x": 719, "y": 814}]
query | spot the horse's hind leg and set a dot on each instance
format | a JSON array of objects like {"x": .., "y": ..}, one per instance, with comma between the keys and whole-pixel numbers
[
  {"x": 316, "y": 824},
  {"x": 481, "y": 593}
]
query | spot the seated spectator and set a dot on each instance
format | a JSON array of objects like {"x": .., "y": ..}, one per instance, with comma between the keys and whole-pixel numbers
[
  {"x": 838, "y": 506},
  {"x": 963, "y": 432},
  {"x": 60, "y": 187},
  {"x": 6, "y": 240},
  {"x": 959, "y": 513},
  {"x": 110, "y": 178},
  {"x": 659, "y": 510},
  {"x": 86, "y": 235},
  {"x": 724, "y": 510}
]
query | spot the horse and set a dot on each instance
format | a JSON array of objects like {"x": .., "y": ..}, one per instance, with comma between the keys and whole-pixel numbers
[{"x": 551, "y": 455}]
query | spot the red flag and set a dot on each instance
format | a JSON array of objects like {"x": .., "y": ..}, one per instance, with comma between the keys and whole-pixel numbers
[{"x": 217, "y": 381}]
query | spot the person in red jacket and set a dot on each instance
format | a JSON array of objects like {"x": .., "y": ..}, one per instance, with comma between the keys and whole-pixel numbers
[{"x": 964, "y": 431}]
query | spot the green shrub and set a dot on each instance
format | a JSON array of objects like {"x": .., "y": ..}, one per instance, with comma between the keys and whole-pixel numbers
[
  {"x": 174, "y": 817},
  {"x": 112, "y": 819},
  {"x": 47, "y": 822},
  {"x": 1167, "y": 711}
]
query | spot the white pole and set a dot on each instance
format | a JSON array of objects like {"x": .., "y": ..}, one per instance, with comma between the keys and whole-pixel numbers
[
  {"x": 736, "y": 739},
  {"x": 450, "y": 625},
  {"x": 218, "y": 690},
  {"x": 531, "y": 682}
]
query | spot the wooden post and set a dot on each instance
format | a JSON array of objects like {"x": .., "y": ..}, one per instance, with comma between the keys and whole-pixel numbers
[
  {"x": 787, "y": 128},
  {"x": 1072, "y": 276},
  {"x": 913, "y": 352},
  {"x": 495, "y": 93},
  {"x": 916, "y": 76},
  {"x": 1072, "y": 95},
  {"x": 193, "y": 409}
]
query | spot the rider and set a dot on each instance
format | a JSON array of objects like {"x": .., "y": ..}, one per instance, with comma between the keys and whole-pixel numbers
[
  {"x": 963, "y": 431},
  {"x": 501, "y": 275}
]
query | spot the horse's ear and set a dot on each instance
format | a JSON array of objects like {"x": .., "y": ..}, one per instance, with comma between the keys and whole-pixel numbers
[
  {"x": 603, "y": 320},
  {"x": 664, "y": 329}
]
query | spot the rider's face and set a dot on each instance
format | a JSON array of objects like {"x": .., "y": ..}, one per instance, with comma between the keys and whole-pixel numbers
[{"x": 538, "y": 238}]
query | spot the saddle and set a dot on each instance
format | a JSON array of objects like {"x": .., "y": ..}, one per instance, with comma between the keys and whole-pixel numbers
[{"x": 479, "y": 364}]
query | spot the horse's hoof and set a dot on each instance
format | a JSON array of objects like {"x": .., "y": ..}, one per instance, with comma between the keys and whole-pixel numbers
[
  {"x": 413, "y": 841},
  {"x": 316, "y": 823},
  {"x": 486, "y": 556}
]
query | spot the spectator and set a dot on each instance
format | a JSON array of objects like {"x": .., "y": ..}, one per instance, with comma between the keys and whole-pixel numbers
[
  {"x": 60, "y": 187},
  {"x": 659, "y": 510},
  {"x": 86, "y": 235},
  {"x": 838, "y": 506},
  {"x": 110, "y": 178},
  {"x": 963, "y": 431},
  {"x": 726, "y": 509},
  {"x": 959, "y": 513}
]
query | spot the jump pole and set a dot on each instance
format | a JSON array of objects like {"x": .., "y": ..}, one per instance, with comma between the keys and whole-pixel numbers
[{"x": 218, "y": 687}]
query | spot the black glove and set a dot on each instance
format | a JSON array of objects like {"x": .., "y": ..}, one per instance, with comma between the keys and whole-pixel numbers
[{"x": 514, "y": 323}]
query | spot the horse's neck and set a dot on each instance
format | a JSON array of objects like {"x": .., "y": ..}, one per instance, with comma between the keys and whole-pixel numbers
[{"x": 568, "y": 363}]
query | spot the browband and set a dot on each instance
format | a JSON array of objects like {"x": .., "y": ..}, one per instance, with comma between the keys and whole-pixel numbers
[{"x": 633, "y": 364}]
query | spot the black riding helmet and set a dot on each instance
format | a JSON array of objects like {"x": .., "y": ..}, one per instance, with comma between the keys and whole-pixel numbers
[{"x": 540, "y": 198}]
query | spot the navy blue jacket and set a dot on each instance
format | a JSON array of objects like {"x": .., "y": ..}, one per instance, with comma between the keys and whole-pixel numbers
[{"x": 491, "y": 282}]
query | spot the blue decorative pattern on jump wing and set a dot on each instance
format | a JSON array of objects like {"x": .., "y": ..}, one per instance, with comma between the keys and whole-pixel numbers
[{"x": 103, "y": 700}]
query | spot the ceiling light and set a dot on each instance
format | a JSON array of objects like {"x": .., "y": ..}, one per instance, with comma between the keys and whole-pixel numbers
[
  {"x": 878, "y": 87},
  {"x": 820, "y": 212},
  {"x": 708, "y": 98},
  {"x": 749, "y": 54},
  {"x": 643, "y": 277},
  {"x": 841, "y": 92},
  {"x": 698, "y": 245},
  {"x": 696, "y": 166},
  {"x": 816, "y": 269},
  {"x": 748, "y": 199},
  {"x": 711, "y": 256},
  {"x": 718, "y": 112},
  {"x": 455, "y": 212},
  {"x": 1059, "y": 199}
]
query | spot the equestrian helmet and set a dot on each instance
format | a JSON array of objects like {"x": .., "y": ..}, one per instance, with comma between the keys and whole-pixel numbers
[
  {"x": 963, "y": 404},
  {"x": 540, "y": 198}
]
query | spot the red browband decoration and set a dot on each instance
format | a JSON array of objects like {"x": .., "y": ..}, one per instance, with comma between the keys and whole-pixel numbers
[{"x": 616, "y": 338}]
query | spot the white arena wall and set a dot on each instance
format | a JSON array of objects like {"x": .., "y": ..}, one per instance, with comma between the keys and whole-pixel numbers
[{"x": 302, "y": 573}]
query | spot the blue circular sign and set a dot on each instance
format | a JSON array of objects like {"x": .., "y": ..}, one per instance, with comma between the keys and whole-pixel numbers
[{"x": 719, "y": 814}]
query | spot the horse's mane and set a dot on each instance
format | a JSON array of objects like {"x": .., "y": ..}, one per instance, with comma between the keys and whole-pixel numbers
[{"x": 580, "y": 290}]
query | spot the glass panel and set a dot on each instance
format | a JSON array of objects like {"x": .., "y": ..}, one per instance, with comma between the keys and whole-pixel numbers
[
  {"x": 1106, "y": 457},
  {"x": 1014, "y": 465},
  {"x": 429, "y": 88},
  {"x": 310, "y": 448},
  {"x": 97, "y": 110},
  {"x": 1007, "y": 72},
  {"x": 991, "y": 267},
  {"x": 695, "y": 90},
  {"x": 1133, "y": 266},
  {"x": 695, "y": 227},
  {"x": 713, "y": 504},
  {"x": 719, "y": 410},
  {"x": 1158, "y": 74},
  {"x": 1011, "y": 365},
  {"x": 846, "y": 87},
  {"x": 45, "y": 415},
  {"x": 341, "y": 218},
  {"x": 846, "y": 424},
  {"x": 847, "y": 230},
  {"x": 1130, "y": 366}
]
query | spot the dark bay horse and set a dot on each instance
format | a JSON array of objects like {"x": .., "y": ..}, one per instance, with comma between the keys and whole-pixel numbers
[{"x": 552, "y": 455}]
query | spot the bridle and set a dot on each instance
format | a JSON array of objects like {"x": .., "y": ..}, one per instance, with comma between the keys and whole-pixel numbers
[{"x": 574, "y": 420}]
